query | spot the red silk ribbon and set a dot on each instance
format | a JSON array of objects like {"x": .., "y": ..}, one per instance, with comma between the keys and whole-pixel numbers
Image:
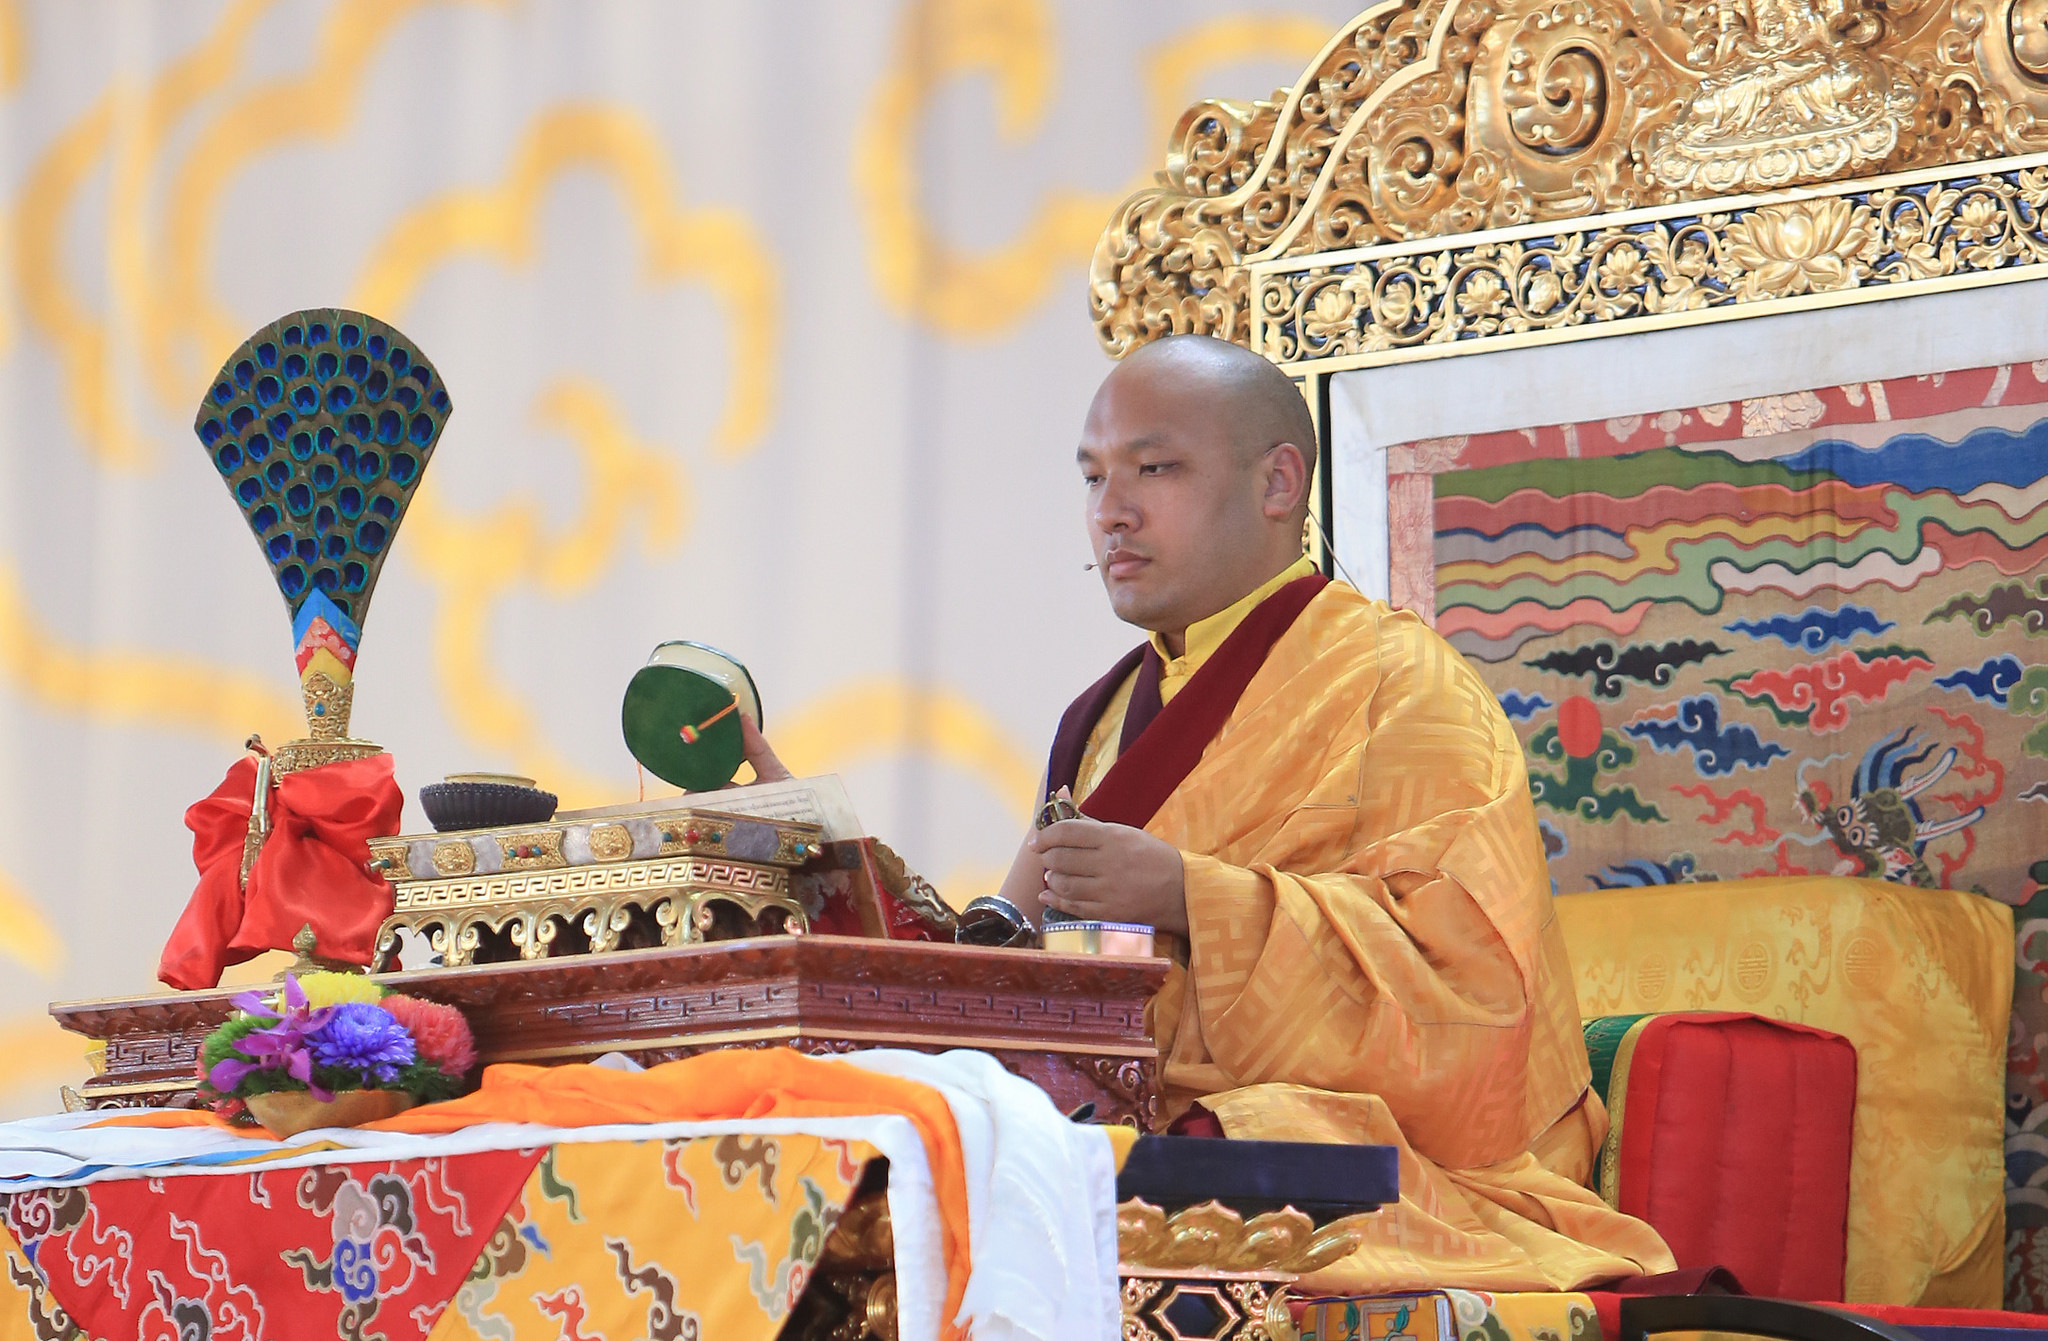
[{"x": 313, "y": 869}]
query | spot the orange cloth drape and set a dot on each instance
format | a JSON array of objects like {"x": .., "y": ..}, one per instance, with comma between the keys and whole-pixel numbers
[{"x": 736, "y": 1083}]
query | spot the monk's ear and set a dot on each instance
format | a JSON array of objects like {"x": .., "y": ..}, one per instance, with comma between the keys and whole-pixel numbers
[{"x": 1284, "y": 475}]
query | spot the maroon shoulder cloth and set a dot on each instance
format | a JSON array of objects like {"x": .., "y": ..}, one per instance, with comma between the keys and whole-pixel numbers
[{"x": 1160, "y": 747}]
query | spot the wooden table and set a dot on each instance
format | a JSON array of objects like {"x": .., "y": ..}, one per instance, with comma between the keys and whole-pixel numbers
[{"x": 1072, "y": 1024}]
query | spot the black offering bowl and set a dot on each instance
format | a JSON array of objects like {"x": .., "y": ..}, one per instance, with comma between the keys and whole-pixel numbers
[{"x": 485, "y": 801}]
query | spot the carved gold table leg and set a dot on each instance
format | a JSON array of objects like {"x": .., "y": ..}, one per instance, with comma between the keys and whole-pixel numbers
[
  {"x": 1168, "y": 1308},
  {"x": 852, "y": 1296},
  {"x": 1205, "y": 1273}
]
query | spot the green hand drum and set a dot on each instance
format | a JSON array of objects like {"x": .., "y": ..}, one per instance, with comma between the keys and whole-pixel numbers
[{"x": 681, "y": 716}]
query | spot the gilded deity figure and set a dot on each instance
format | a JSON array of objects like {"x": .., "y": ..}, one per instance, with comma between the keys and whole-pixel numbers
[{"x": 1789, "y": 95}]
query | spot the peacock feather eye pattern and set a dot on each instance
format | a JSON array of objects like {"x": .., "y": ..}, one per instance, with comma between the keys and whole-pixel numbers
[{"x": 321, "y": 425}]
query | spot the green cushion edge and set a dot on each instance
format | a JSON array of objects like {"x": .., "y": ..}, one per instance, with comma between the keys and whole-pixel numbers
[{"x": 1603, "y": 1040}]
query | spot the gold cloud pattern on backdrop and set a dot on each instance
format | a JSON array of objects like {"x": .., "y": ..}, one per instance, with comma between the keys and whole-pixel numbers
[
  {"x": 123, "y": 286},
  {"x": 886, "y": 716},
  {"x": 41, "y": 1056},
  {"x": 193, "y": 328},
  {"x": 715, "y": 247},
  {"x": 29, "y": 939},
  {"x": 13, "y": 46},
  {"x": 475, "y": 562},
  {"x": 963, "y": 292},
  {"x": 86, "y": 344},
  {"x": 13, "y": 67},
  {"x": 134, "y": 688},
  {"x": 164, "y": 317}
]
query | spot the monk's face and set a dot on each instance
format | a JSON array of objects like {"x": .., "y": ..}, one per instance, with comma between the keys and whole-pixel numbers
[{"x": 1177, "y": 509}]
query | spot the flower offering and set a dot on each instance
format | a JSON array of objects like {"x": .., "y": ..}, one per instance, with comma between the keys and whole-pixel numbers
[{"x": 325, "y": 1034}]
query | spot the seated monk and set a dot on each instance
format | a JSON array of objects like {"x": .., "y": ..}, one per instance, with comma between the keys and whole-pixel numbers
[{"x": 1324, "y": 810}]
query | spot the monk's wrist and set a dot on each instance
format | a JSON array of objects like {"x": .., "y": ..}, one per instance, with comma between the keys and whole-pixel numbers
[{"x": 1173, "y": 915}]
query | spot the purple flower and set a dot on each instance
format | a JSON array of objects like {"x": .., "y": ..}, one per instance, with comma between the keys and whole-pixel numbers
[
  {"x": 280, "y": 1047},
  {"x": 364, "y": 1038}
]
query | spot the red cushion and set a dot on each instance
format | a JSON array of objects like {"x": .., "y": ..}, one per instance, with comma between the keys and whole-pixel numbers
[{"x": 1734, "y": 1145}]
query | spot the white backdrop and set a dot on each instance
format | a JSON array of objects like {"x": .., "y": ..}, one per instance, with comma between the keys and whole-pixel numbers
[{"x": 765, "y": 327}]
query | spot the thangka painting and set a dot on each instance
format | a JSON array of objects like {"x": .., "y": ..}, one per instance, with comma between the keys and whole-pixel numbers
[{"x": 1801, "y": 634}]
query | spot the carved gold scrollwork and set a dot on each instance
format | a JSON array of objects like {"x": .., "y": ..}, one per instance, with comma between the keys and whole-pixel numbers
[
  {"x": 610, "y": 842},
  {"x": 1279, "y": 1318},
  {"x": 1564, "y": 95},
  {"x": 1170, "y": 260},
  {"x": 455, "y": 857},
  {"x": 1557, "y": 108},
  {"x": 1992, "y": 67},
  {"x": 686, "y": 900},
  {"x": 2026, "y": 31},
  {"x": 1432, "y": 118},
  {"x": 1416, "y": 148},
  {"x": 1207, "y": 154}
]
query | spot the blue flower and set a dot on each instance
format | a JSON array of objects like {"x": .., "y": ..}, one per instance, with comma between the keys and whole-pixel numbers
[{"x": 365, "y": 1038}]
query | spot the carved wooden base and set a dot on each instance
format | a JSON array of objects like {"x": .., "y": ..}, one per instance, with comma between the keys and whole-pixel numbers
[{"x": 1072, "y": 1024}]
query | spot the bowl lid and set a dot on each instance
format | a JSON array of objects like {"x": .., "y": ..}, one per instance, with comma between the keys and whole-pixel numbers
[{"x": 681, "y": 713}]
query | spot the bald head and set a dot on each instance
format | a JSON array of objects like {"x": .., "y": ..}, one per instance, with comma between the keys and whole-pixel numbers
[
  {"x": 1196, "y": 454},
  {"x": 1257, "y": 405}
]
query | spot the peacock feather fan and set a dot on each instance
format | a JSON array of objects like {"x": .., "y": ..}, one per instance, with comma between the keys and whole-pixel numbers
[{"x": 322, "y": 424}]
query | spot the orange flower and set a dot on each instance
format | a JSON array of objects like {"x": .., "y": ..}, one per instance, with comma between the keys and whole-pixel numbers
[{"x": 439, "y": 1033}]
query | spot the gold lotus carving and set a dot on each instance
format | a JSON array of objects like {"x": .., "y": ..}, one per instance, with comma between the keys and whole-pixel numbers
[
  {"x": 1212, "y": 1238},
  {"x": 1429, "y": 119},
  {"x": 1783, "y": 250}
]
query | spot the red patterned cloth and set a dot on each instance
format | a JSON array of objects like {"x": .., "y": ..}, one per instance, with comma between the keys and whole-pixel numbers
[
  {"x": 712, "y": 1236},
  {"x": 322, "y": 1251},
  {"x": 312, "y": 870}
]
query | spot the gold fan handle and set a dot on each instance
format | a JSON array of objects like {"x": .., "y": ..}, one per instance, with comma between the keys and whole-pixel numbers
[{"x": 259, "y": 811}]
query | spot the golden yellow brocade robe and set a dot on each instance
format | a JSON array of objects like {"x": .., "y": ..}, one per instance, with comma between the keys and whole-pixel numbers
[{"x": 1373, "y": 957}]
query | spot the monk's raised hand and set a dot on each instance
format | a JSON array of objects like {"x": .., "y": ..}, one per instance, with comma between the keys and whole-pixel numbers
[{"x": 1112, "y": 873}]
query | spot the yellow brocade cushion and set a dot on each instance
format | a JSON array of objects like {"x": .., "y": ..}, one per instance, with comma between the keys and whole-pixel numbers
[{"x": 1920, "y": 980}]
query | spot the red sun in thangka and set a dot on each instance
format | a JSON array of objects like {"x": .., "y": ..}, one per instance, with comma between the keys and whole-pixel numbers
[{"x": 1578, "y": 726}]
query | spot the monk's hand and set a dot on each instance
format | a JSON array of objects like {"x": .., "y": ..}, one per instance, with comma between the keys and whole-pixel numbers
[
  {"x": 767, "y": 768},
  {"x": 1112, "y": 873}
]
